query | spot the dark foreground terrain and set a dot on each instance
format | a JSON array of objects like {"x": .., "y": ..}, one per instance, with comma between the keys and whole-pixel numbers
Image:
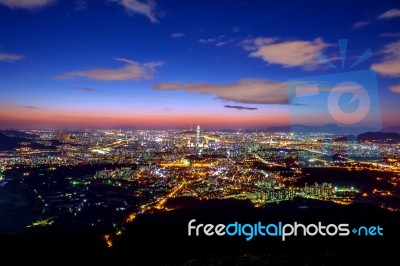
[{"x": 161, "y": 238}]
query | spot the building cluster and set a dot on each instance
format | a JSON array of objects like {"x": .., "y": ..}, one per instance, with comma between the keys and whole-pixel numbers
[{"x": 121, "y": 171}]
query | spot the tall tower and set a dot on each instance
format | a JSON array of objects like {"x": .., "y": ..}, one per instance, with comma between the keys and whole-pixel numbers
[{"x": 198, "y": 137}]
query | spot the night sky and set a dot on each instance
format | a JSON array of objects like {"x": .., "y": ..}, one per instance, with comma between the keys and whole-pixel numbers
[{"x": 176, "y": 64}]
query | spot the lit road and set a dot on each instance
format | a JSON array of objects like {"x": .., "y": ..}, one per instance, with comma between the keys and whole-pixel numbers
[
  {"x": 264, "y": 161},
  {"x": 158, "y": 203},
  {"x": 214, "y": 138}
]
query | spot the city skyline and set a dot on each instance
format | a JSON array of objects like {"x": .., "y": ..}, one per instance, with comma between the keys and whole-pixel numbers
[{"x": 171, "y": 64}]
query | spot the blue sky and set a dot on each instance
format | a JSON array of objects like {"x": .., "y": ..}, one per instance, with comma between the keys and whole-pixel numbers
[{"x": 172, "y": 64}]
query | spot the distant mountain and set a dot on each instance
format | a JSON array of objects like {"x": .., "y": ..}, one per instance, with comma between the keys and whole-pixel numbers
[
  {"x": 8, "y": 143},
  {"x": 395, "y": 129},
  {"x": 17, "y": 134},
  {"x": 329, "y": 128},
  {"x": 385, "y": 137},
  {"x": 350, "y": 137},
  {"x": 382, "y": 137}
]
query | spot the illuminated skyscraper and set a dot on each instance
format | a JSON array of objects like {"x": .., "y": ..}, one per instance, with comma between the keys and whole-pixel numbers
[{"x": 198, "y": 137}]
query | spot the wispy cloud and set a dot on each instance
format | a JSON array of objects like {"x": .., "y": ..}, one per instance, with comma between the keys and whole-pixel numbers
[
  {"x": 360, "y": 24},
  {"x": 17, "y": 107},
  {"x": 84, "y": 89},
  {"x": 151, "y": 66},
  {"x": 80, "y": 5},
  {"x": 264, "y": 41},
  {"x": 236, "y": 29},
  {"x": 220, "y": 40},
  {"x": 390, "y": 35},
  {"x": 146, "y": 8},
  {"x": 390, "y": 66},
  {"x": 290, "y": 53},
  {"x": 178, "y": 35},
  {"x": 238, "y": 107},
  {"x": 219, "y": 44},
  {"x": 252, "y": 44},
  {"x": 392, "y": 13},
  {"x": 8, "y": 57},
  {"x": 26, "y": 4},
  {"x": 395, "y": 88},
  {"x": 248, "y": 90},
  {"x": 130, "y": 71},
  {"x": 208, "y": 40}
]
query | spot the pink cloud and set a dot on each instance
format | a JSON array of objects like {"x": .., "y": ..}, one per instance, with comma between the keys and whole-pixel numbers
[
  {"x": 248, "y": 90},
  {"x": 390, "y": 66},
  {"x": 131, "y": 71},
  {"x": 395, "y": 88},
  {"x": 290, "y": 53},
  {"x": 26, "y": 4},
  {"x": 10, "y": 57}
]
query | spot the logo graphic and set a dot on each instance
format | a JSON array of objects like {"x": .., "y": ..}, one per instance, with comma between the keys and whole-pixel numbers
[
  {"x": 359, "y": 94},
  {"x": 280, "y": 229},
  {"x": 346, "y": 102}
]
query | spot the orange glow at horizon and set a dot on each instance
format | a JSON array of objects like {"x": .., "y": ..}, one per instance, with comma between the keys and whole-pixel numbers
[{"x": 17, "y": 117}]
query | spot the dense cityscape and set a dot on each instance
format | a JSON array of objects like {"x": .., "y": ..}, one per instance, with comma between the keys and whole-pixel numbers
[{"x": 106, "y": 178}]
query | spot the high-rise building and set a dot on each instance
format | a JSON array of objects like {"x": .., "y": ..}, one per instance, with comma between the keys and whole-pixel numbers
[{"x": 198, "y": 137}]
